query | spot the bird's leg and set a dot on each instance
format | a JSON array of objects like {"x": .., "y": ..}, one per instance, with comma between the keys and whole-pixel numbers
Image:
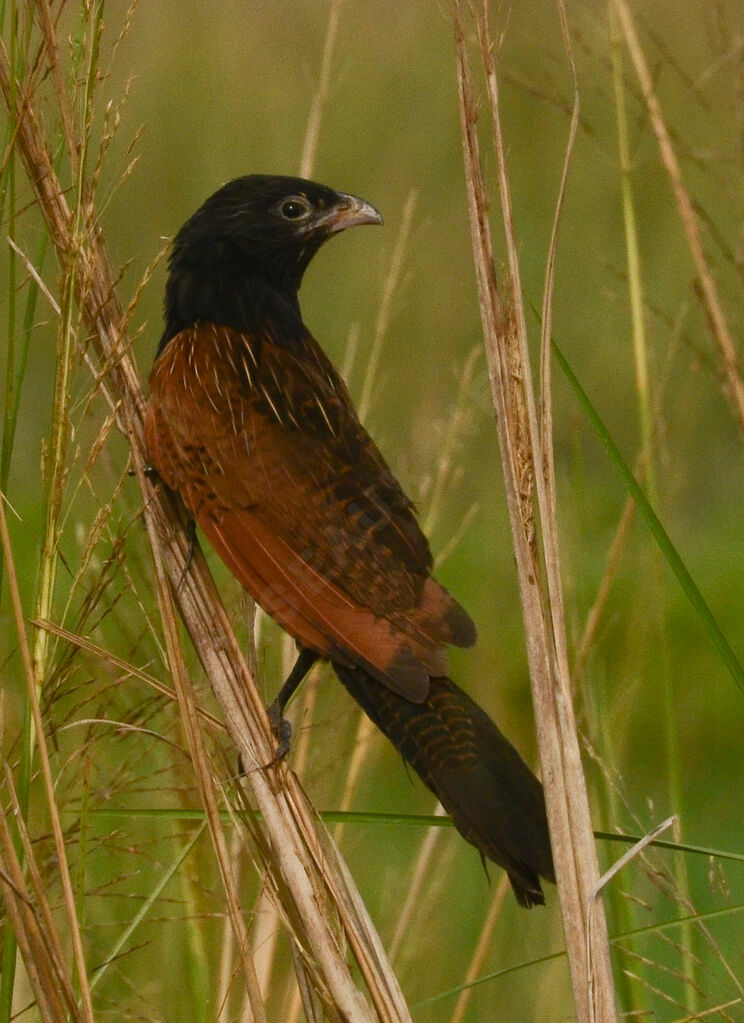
[{"x": 280, "y": 726}]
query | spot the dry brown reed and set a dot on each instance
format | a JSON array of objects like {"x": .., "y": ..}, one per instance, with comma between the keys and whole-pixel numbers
[
  {"x": 525, "y": 443},
  {"x": 313, "y": 890}
]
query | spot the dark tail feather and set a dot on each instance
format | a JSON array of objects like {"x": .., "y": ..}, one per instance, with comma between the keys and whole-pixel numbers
[{"x": 493, "y": 798}]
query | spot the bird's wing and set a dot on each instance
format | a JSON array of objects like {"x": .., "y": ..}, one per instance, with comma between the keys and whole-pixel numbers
[{"x": 264, "y": 446}]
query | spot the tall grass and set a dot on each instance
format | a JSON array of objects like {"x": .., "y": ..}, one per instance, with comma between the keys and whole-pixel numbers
[{"x": 141, "y": 876}]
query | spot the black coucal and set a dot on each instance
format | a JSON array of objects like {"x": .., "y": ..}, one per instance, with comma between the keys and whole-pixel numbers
[{"x": 251, "y": 424}]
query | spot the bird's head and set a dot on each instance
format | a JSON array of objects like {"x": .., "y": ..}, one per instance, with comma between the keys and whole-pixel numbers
[{"x": 255, "y": 233}]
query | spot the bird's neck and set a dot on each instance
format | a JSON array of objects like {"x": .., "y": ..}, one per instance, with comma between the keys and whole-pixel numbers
[{"x": 231, "y": 295}]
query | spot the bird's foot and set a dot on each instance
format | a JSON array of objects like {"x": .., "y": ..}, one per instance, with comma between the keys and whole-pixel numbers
[{"x": 282, "y": 729}]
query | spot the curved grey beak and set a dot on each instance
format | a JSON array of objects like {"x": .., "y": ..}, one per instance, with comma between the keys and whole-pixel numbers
[{"x": 349, "y": 211}]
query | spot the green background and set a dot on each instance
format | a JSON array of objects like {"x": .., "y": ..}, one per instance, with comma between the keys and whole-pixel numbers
[{"x": 225, "y": 89}]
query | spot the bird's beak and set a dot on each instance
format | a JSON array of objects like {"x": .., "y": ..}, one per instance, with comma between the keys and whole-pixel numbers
[{"x": 349, "y": 211}]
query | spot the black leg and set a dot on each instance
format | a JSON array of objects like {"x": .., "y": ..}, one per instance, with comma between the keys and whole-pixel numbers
[{"x": 279, "y": 724}]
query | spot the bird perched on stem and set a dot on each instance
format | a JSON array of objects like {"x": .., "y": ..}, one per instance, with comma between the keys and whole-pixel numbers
[{"x": 251, "y": 424}]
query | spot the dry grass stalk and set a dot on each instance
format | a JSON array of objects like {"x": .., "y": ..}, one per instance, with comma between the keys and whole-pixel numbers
[
  {"x": 37, "y": 936},
  {"x": 203, "y": 770},
  {"x": 636, "y": 849},
  {"x": 383, "y": 313},
  {"x": 424, "y": 873},
  {"x": 524, "y": 445},
  {"x": 36, "y": 931},
  {"x": 480, "y": 953},
  {"x": 707, "y": 291},
  {"x": 117, "y": 662},
  {"x": 315, "y": 886},
  {"x": 598, "y": 608},
  {"x": 312, "y": 131}
]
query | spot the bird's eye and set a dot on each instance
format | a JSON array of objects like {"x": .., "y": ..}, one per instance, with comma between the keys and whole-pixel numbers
[{"x": 295, "y": 208}]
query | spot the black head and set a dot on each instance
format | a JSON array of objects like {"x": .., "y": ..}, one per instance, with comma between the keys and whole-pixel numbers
[{"x": 249, "y": 244}]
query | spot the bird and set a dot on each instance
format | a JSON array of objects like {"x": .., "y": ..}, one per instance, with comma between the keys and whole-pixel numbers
[{"x": 250, "y": 423}]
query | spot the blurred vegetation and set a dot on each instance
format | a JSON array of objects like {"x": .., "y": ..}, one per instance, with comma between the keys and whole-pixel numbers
[{"x": 217, "y": 90}]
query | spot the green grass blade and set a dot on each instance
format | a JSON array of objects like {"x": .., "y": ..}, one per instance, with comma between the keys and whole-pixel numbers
[
  {"x": 386, "y": 818},
  {"x": 656, "y": 928},
  {"x": 661, "y": 536},
  {"x": 98, "y": 973}
]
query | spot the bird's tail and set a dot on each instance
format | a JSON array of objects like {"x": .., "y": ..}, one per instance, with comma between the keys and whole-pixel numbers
[{"x": 494, "y": 799}]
